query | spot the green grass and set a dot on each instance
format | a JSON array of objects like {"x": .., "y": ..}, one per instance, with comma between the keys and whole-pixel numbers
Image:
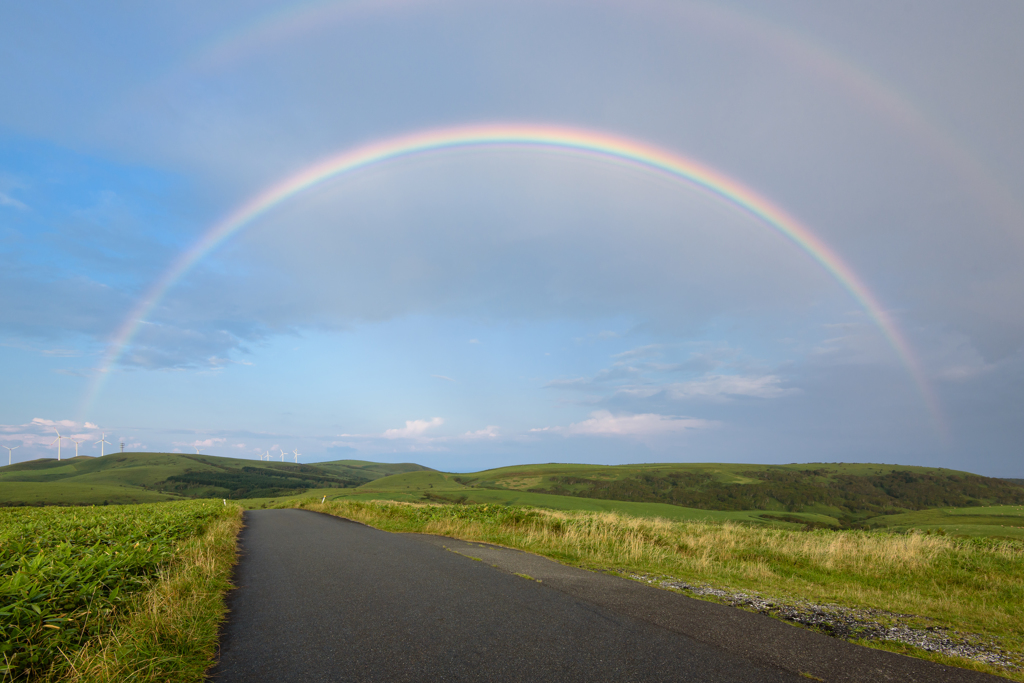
[
  {"x": 69, "y": 577},
  {"x": 151, "y": 477},
  {"x": 848, "y": 493},
  {"x": 994, "y": 520},
  {"x": 60, "y": 492},
  {"x": 431, "y": 486},
  {"x": 172, "y": 631},
  {"x": 471, "y": 496},
  {"x": 636, "y": 490}
]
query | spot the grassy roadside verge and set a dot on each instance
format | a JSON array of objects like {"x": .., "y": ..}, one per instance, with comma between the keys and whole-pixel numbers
[
  {"x": 170, "y": 632},
  {"x": 932, "y": 582}
]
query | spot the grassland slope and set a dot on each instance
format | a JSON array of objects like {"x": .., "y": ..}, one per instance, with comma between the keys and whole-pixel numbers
[
  {"x": 850, "y": 493},
  {"x": 152, "y": 477}
]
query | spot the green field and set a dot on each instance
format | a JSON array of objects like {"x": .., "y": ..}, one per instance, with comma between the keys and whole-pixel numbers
[
  {"x": 848, "y": 493},
  {"x": 69, "y": 576},
  {"x": 794, "y": 496},
  {"x": 65, "y": 493},
  {"x": 994, "y": 520},
  {"x": 531, "y": 485},
  {"x": 153, "y": 477}
]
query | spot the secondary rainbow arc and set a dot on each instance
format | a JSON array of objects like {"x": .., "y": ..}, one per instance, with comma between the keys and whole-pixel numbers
[{"x": 590, "y": 143}]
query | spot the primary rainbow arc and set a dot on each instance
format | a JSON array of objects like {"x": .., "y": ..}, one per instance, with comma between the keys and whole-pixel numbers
[{"x": 590, "y": 143}]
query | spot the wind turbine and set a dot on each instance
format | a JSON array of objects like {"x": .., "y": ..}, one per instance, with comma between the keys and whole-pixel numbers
[
  {"x": 266, "y": 455},
  {"x": 197, "y": 449},
  {"x": 282, "y": 454},
  {"x": 76, "y": 445},
  {"x": 9, "y": 450},
  {"x": 57, "y": 441},
  {"x": 103, "y": 440},
  {"x": 297, "y": 454}
]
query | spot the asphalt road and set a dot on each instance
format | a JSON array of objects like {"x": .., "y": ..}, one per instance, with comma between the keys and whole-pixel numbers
[{"x": 324, "y": 599}]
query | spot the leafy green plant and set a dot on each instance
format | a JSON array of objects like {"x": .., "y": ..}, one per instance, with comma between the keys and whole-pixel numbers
[{"x": 67, "y": 573}]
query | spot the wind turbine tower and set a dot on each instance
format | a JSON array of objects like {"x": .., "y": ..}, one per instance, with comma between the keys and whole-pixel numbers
[
  {"x": 297, "y": 454},
  {"x": 282, "y": 455},
  {"x": 57, "y": 441},
  {"x": 76, "y": 445},
  {"x": 9, "y": 450},
  {"x": 103, "y": 440}
]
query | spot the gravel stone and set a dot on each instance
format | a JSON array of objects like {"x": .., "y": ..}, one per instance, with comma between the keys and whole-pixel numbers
[{"x": 851, "y": 623}]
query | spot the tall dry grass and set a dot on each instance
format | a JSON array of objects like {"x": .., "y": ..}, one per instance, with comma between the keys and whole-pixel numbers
[
  {"x": 171, "y": 632},
  {"x": 973, "y": 585}
]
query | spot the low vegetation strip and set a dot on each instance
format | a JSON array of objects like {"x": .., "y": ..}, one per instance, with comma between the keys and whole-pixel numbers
[
  {"x": 962, "y": 585},
  {"x": 69, "y": 577},
  {"x": 850, "y": 497},
  {"x": 170, "y": 632}
]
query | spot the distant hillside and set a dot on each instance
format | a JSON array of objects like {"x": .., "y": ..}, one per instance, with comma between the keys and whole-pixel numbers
[
  {"x": 818, "y": 493},
  {"x": 150, "y": 477},
  {"x": 848, "y": 492}
]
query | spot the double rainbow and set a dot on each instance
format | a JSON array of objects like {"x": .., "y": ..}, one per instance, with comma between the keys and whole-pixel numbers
[{"x": 592, "y": 144}]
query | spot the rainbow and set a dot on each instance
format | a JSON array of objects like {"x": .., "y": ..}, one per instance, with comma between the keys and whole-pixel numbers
[{"x": 592, "y": 144}]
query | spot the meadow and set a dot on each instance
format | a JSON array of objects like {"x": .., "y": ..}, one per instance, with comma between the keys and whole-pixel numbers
[
  {"x": 123, "y": 478},
  {"x": 970, "y": 586},
  {"x": 785, "y": 496},
  {"x": 96, "y": 593}
]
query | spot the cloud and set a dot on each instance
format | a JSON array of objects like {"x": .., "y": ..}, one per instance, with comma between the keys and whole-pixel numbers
[
  {"x": 62, "y": 353},
  {"x": 646, "y": 351},
  {"x": 488, "y": 432},
  {"x": 53, "y": 423},
  {"x": 604, "y": 423},
  {"x": 449, "y": 379},
  {"x": 7, "y": 200},
  {"x": 204, "y": 443},
  {"x": 413, "y": 429},
  {"x": 726, "y": 386}
]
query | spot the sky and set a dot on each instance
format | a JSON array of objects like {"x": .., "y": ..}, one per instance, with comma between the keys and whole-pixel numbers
[{"x": 835, "y": 275}]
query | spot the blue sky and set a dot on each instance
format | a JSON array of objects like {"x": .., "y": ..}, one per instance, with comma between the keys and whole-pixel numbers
[{"x": 476, "y": 308}]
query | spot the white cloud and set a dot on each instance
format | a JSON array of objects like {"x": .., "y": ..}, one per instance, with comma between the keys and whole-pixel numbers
[
  {"x": 640, "y": 352},
  {"x": 53, "y": 423},
  {"x": 488, "y": 432},
  {"x": 413, "y": 428},
  {"x": 723, "y": 386},
  {"x": 7, "y": 200},
  {"x": 204, "y": 443},
  {"x": 449, "y": 379},
  {"x": 604, "y": 423},
  {"x": 39, "y": 434}
]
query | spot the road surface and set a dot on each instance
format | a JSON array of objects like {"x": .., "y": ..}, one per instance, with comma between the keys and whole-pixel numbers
[{"x": 324, "y": 599}]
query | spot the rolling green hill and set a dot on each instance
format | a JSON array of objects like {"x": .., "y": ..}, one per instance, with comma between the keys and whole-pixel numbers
[
  {"x": 806, "y": 495},
  {"x": 847, "y": 492},
  {"x": 809, "y": 495},
  {"x": 152, "y": 477}
]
